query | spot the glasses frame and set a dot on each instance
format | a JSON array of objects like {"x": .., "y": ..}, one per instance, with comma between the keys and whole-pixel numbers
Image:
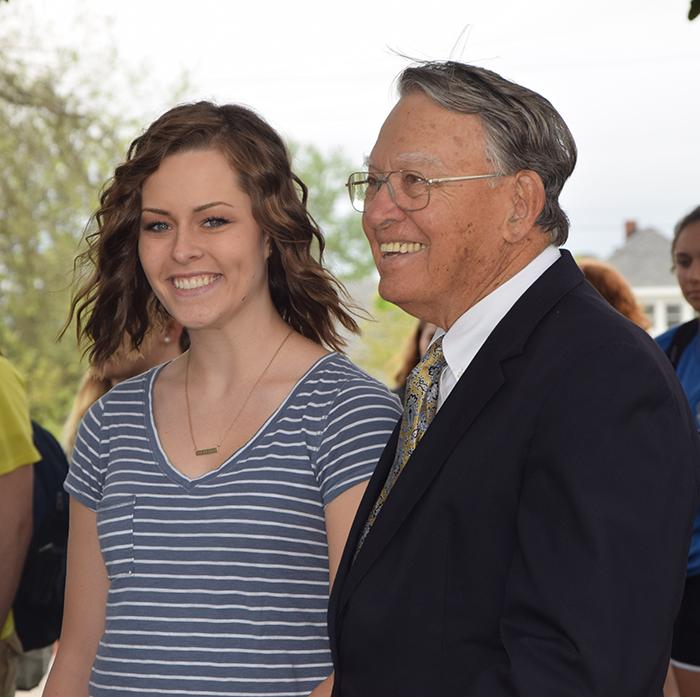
[{"x": 384, "y": 178}]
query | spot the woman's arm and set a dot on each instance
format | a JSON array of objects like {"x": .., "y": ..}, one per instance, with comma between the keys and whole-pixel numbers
[
  {"x": 340, "y": 513},
  {"x": 84, "y": 611}
]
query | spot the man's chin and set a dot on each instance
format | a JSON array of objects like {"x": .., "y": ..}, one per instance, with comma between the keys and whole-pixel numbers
[{"x": 403, "y": 298}]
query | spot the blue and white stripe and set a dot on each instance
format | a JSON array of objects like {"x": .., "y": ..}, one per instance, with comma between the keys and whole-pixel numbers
[{"x": 219, "y": 585}]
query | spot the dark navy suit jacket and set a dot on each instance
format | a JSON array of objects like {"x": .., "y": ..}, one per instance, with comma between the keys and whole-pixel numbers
[{"x": 535, "y": 544}]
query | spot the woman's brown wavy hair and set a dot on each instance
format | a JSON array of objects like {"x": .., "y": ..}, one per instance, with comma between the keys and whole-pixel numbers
[{"x": 116, "y": 297}]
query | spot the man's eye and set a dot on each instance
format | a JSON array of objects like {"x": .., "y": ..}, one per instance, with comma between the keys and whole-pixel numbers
[
  {"x": 372, "y": 181},
  {"x": 215, "y": 221},
  {"x": 413, "y": 179}
]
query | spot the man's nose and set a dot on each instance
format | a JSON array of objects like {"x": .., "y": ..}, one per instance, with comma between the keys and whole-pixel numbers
[{"x": 382, "y": 207}]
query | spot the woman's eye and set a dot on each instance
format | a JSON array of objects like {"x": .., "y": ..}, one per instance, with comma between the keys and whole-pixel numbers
[
  {"x": 155, "y": 226},
  {"x": 215, "y": 221}
]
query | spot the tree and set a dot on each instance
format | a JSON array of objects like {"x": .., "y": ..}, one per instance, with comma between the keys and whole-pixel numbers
[
  {"x": 58, "y": 142},
  {"x": 384, "y": 336},
  {"x": 347, "y": 252}
]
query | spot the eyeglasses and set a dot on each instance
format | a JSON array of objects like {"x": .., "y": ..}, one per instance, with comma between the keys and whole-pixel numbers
[{"x": 410, "y": 191}]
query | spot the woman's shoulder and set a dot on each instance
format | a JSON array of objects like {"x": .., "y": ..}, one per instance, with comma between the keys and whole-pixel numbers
[
  {"x": 337, "y": 373},
  {"x": 339, "y": 368},
  {"x": 127, "y": 394}
]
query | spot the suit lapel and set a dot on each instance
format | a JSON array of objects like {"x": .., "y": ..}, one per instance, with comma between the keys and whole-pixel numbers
[{"x": 480, "y": 382}]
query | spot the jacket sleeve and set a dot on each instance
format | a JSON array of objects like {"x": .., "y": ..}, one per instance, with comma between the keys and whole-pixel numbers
[{"x": 608, "y": 495}]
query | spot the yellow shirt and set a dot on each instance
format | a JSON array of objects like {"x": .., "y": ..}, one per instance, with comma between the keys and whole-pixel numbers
[{"x": 16, "y": 445}]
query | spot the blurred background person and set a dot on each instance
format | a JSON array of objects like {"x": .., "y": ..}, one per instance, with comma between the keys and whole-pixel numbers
[
  {"x": 613, "y": 286},
  {"x": 17, "y": 454},
  {"x": 165, "y": 341},
  {"x": 682, "y": 345},
  {"x": 414, "y": 349}
]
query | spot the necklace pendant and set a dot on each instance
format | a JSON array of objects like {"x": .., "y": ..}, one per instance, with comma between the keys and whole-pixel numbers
[{"x": 207, "y": 451}]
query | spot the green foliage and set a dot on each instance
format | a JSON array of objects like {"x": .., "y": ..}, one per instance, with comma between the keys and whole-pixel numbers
[
  {"x": 60, "y": 138},
  {"x": 380, "y": 349},
  {"x": 57, "y": 144},
  {"x": 347, "y": 252}
]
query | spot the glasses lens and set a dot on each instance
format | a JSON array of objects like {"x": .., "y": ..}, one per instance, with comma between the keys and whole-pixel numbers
[
  {"x": 358, "y": 184},
  {"x": 409, "y": 190},
  {"x": 413, "y": 191}
]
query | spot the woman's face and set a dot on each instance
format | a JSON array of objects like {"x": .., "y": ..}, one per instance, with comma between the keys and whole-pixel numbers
[
  {"x": 202, "y": 251},
  {"x": 686, "y": 263}
]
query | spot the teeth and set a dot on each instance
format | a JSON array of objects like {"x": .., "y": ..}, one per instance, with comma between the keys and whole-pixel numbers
[
  {"x": 193, "y": 282},
  {"x": 400, "y": 247}
]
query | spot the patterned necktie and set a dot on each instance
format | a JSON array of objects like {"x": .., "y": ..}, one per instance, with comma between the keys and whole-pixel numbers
[{"x": 420, "y": 405}]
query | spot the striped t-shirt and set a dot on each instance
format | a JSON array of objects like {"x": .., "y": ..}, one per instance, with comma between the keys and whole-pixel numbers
[{"x": 219, "y": 585}]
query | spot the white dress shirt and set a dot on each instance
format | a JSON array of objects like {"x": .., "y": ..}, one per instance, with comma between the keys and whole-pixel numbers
[{"x": 468, "y": 334}]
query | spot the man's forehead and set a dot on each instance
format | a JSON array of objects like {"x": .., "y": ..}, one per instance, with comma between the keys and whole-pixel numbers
[{"x": 404, "y": 160}]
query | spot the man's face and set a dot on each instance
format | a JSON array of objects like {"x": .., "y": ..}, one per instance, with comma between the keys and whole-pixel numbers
[{"x": 456, "y": 256}]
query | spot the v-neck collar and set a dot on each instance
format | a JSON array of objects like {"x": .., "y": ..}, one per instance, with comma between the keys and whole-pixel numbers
[{"x": 161, "y": 457}]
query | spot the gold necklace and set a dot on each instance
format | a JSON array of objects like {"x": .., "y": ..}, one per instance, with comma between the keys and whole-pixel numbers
[{"x": 215, "y": 448}]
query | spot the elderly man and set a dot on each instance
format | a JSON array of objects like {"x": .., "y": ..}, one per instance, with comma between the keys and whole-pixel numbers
[{"x": 526, "y": 530}]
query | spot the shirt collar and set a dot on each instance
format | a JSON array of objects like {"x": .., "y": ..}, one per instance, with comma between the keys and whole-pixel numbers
[{"x": 469, "y": 332}]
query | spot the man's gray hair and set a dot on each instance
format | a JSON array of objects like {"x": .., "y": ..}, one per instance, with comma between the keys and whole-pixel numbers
[{"x": 523, "y": 130}]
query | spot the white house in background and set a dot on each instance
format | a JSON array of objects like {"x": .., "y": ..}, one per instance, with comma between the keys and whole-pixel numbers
[{"x": 645, "y": 261}]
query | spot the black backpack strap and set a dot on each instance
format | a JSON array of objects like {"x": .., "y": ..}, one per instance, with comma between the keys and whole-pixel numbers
[{"x": 680, "y": 339}]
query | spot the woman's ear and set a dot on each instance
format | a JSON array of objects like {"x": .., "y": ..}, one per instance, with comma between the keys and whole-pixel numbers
[
  {"x": 172, "y": 331},
  {"x": 527, "y": 204}
]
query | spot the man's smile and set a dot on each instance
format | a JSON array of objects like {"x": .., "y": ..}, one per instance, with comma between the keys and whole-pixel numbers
[{"x": 400, "y": 247}]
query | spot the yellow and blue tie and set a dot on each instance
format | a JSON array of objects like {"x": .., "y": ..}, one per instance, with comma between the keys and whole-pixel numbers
[{"x": 420, "y": 405}]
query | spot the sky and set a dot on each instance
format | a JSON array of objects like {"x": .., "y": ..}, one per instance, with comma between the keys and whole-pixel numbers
[{"x": 624, "y": 74}]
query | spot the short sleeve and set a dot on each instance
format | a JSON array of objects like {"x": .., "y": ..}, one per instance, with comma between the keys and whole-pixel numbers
[
  {"x": 87, "y": 468},
  {"x": 357, "y": 427},
  {"x": 16, "y": 445}
]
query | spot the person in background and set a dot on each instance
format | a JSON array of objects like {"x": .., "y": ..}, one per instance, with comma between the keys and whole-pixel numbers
[
  {"x": 682, "y": 345},
  {"x": 613, "y": 286},
  {"x": 211, "y": 496},
  {"x": 525, "y": 530},
  {"x": 161, "y": 344},
  {"x": 416, "y": 345},
  {"x": 17, "y": 454}
]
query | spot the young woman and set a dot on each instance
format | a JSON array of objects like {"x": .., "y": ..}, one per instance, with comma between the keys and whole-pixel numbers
[
  {"x": 211, "y": 497},
  {"x": 685, "y": 251}
]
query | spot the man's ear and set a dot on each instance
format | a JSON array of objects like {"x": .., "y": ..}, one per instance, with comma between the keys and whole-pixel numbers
[{"x": 527, "y": 203}]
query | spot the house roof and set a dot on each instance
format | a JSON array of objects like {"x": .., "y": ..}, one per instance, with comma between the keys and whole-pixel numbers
[{"x": 645, "y": 259}]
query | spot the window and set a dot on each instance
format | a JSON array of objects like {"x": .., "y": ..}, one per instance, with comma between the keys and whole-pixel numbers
[
  {"x": 673, "y": 314},
  {"x": 649, "y": 312}
]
